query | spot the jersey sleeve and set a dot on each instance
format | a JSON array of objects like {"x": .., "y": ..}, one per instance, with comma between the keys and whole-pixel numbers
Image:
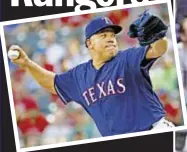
[
  {"x": 136, "y": 58},
  {"x": 66, "y": 86}
]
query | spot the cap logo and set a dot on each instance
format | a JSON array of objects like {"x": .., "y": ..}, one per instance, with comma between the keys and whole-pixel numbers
[{"x": 107, "y": 21}]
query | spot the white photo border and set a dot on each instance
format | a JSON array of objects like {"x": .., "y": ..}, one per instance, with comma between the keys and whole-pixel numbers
[
  {"x": 174, "y": 9},
  {"x": 50, "y": 146}
]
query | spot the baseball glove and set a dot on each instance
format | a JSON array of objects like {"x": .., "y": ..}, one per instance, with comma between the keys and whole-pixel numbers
[{"x": 147, "y": 29}]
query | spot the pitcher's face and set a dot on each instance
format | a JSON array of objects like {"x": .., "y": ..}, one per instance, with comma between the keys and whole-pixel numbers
[{"x": 104, "y": 44}]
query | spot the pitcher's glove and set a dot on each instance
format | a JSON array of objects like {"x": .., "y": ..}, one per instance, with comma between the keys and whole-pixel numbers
[{"x": 147, "y": 28}]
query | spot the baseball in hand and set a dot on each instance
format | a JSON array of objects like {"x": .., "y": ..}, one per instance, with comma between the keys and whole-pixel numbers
[{"x": 13, "y": 54}]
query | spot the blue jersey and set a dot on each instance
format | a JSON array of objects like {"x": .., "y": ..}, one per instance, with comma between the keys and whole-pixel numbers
[{"x": 119, "y": 96}]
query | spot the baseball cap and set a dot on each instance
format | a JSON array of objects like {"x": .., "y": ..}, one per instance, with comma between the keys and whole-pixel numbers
[{"x": 98, "y": 24}]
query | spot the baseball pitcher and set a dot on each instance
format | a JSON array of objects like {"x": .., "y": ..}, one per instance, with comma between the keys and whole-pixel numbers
[{"x": 114, "y": 87}]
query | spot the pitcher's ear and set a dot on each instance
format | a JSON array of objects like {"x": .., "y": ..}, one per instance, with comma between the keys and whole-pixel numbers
[{"x": 88, "y": 44}]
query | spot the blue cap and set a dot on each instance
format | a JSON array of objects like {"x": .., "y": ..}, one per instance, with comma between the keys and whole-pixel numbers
[{"x": 98, "y": 24}]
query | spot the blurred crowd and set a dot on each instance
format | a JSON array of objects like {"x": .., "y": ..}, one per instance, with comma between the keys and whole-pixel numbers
[
  {"x": 59, "y": 45},
  {"x": 181, "y": 32}
]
